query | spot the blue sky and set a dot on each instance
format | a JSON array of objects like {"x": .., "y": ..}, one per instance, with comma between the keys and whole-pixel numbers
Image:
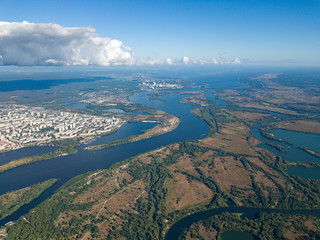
[{"x": 256, "y": 32}]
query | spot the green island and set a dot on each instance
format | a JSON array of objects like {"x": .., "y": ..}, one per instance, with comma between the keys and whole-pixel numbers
[
  {"x": 24, "y": 161},
  {"x": 12, "y": 201},
  {"x": 316, "y": 154}
]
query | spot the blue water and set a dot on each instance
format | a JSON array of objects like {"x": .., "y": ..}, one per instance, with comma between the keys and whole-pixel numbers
[
  {"x": 311, "y": 173},
  {"x": 115, "y": 110},
  {"x": 65, "y": 167},
  {"x": 24, "y": 152},
  {"x": 79, "y": 105},
  {"x": 308, "y": 140},
  {"x": 15, "y": 85},
  {"x": 294, "y": 153}
]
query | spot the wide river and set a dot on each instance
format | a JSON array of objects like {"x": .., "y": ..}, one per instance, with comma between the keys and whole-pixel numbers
[{"x": 66, "y": 167}]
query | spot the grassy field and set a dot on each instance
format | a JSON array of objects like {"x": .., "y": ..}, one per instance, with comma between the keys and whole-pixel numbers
[{"x": 307, "y": 126}]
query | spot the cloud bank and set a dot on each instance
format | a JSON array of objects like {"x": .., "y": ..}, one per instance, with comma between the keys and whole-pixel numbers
[
  {"x": 28, "y": 44},
  {"x": 184, "y": 61},
  {"x": 36, "y": 44}
]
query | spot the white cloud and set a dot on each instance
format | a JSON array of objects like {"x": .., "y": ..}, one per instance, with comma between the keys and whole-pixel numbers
[
  {"x": 185, "y": 60},
  {"x": 203, "y": 62},
  {"x": 150, "y": 62},
  {"x": 236, "y": 61},
  {"x": 169, "y": 61},
  {"x": 214, "y": 61},
  {"x": 28, "y": 44},
  {"x": 51, "y": 44}
]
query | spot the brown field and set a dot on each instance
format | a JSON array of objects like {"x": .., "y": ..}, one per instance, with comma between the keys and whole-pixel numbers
[
  {"x": 300, "y": 126},
  {"x": 270, "y": 107},
  {"x": 250, "y": 116},
  {"x": 158, "y": 154},
  {"x": 231, "y": 139},
  {"x": 286, "y": 95},
  {"x": 230, "y": 172},
  {"x": 310, "y": 108},
  {"x": 10, "y": 197},
  {"x": 198, "y": 99},
  {"x": 186, "y": 163},
  {"x": 234, "y": 134},
  {"x": 207, "y": 234},
  {"x": 184, "y": 193},
  {"x": 122, "y": 200},
  {"x": 86, "y": 236},
  {"x": 272, "y": 98},
  {"x": 291, "y": 230}
]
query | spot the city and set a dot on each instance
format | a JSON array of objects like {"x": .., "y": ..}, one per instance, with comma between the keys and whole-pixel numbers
[{"x": 22, "y": 126}]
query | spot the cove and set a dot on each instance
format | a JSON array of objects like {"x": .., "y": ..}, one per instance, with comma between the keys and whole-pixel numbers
[{"x": 293, "y": 153}]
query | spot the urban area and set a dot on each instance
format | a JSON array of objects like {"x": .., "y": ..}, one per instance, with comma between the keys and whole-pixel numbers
[{"x": 22, "y": 126}]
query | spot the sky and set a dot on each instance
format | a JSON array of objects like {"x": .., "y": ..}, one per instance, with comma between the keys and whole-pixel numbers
[{"x": 126, "y": 32}]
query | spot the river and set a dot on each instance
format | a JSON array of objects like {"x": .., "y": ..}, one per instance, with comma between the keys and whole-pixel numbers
[
  {"x": 251, "y": 213},
  {"x": 66, "y": 167}
]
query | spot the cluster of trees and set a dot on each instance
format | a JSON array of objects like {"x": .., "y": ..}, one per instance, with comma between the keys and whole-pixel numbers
[
  {"x": 40, "y": 223},
  {"x": 21, "y": 197},
  {"x": 67, "y": 146},
  {"x": 264, "y": 226},
  {"x": 149, "y": 223}
]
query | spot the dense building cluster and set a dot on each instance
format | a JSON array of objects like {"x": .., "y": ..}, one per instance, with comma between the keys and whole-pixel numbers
[
  {"x": 158, "y": 84},
  {"x": 24, "y": 126}
]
